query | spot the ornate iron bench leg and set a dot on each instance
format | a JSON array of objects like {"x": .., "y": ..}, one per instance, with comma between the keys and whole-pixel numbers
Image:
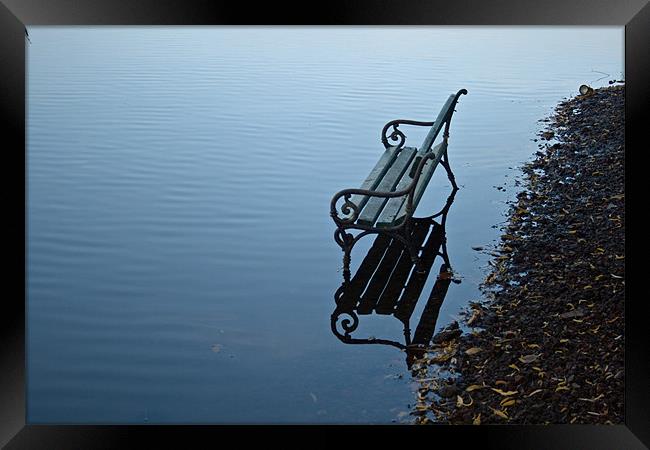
[
  {"x": 444, "y": 161},
  {"x": 346, "y": 264},
  {"x": 346, "y": 242},
  {"x": 407, "y": 333},
  {"x": 443, "y": 252}
]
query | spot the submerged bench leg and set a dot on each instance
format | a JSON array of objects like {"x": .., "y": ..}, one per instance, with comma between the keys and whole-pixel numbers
[
  {"x": 346, "y": 265},
  {"x": 411, "y": 247},
  {"x": 407, "y": 333},
  {"x": 346, "y": 242},
  {"x": 444, "y": 161},
  {"x": 404, "y": 235}
]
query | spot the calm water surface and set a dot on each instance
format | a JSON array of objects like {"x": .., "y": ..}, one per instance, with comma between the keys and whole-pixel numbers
[{"x": 181, "y": 265}]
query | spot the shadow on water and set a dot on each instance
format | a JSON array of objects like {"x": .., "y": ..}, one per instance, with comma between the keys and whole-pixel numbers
[{"x": 387, "y": 283}]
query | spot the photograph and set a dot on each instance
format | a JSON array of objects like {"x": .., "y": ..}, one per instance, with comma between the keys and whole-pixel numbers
[
  {"x": 346, "y": 222},
  {"x": 284, "y": 225}
]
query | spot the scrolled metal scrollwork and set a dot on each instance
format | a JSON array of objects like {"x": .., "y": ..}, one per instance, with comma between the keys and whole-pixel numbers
[
  {"x": 339, "y": 294},
  {"x": 347, "y": 325},
  {"x": 343, "y": 238},
  {"x": 394, "y": 136},
  {"x": 349, "y": 207},
  {"x": 349, "y": 211},
  {"x": 397, "y": 134},
  {"x": 350, "y": 325}
]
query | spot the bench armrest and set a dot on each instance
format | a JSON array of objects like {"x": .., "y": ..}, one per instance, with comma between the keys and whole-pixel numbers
[
  {"x": 444, "y": 117},
  {"x": 396, "y": 134},
  {"x": 350, "y": 210}
]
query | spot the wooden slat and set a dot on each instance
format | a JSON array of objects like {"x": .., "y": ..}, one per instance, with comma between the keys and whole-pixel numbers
[
  {"x": 427, "y": 325},
  {"x": 388, "y": 298},
  {"x": 443, "y": 115},
  {"x": 393, "y": 205},
  {"x": 376, "y": 174},
  {"x": 416, "y": 282},
  {"x": 358, "y": 283},
  {"x": 380, "y": 278},
  {"x": 423, "y": 181},
  {"x": 392, "y": 177}
]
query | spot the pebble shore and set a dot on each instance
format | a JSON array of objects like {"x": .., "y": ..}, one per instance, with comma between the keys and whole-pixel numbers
[{"x": 546, "y": 344}]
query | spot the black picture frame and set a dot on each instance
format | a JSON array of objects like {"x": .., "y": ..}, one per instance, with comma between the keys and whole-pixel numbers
[{"x": 15, "y": 15}]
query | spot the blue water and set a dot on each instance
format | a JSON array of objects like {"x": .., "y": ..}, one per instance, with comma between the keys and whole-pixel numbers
[{"x": 181, "y": 263}]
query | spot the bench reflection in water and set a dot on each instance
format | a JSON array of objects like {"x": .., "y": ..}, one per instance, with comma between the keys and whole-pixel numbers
[{"x": 386, "y": 283}]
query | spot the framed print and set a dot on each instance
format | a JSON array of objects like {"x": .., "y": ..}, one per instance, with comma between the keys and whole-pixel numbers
[{"x": 366, "y": 217}]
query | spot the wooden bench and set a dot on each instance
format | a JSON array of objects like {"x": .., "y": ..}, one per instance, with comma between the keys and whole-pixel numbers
[
  {"x": 387, "y": 199},
  {"x": 387, "y": 284}
]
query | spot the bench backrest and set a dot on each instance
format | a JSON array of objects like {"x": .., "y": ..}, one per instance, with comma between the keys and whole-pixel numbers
[{"x": 444, "y": 117}]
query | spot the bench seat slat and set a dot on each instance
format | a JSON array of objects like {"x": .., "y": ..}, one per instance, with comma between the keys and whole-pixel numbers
[
  {"x": 416, "y": 282},
  {"x": 358, "y": 284},
  {"x": 388, "y": 299},
  {"x": 427, "y": 325},
  {"x": 395, "y": 210},
  {"x": 392, "y": 177},
  {"x": 376, "y": 174},
  {"x": 380, "y": 278}
]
